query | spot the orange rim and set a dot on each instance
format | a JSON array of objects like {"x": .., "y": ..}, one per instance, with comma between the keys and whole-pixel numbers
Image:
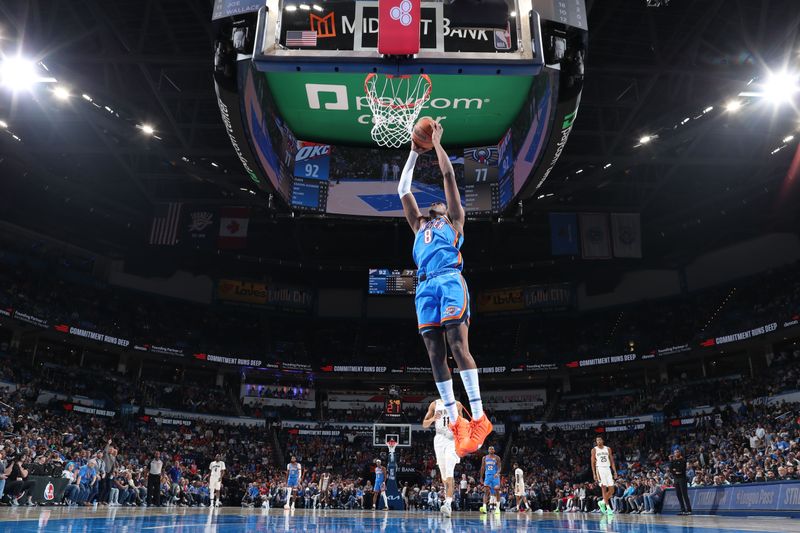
[{"x": 413, "y": 104}]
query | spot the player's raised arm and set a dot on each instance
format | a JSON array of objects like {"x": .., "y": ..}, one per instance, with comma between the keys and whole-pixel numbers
[
  {"x": 454, "y": 209},
  {"x": 410, "y": 207},
  {"x": 430, "y": 416}
]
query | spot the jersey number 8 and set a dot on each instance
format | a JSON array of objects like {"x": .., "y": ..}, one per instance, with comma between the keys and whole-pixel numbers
[{"x": 428, "y": 236}]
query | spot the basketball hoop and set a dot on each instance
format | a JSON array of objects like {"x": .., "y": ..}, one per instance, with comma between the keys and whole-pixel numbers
[
  {"x": 392, "y": 444},
  {"x": 395, "y": 102}
]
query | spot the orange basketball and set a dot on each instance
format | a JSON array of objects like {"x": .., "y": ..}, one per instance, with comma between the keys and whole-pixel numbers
[{"x": 422, "y": 134}]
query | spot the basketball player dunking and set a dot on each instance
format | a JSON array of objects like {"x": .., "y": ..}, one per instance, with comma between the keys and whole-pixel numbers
[
  {"x": 603, "y": 466},
  {"x": 445, "y": 447},
  {"x": 442, "y": 299},
  {"x": 380, "y": 486}
]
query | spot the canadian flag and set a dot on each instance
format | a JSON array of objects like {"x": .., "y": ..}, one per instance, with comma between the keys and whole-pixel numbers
[{"x": 233, "y": 223}]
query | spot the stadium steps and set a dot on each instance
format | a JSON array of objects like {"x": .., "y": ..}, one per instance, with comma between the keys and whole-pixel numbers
[
  {"x": 279, "y": 456},
  {"x": 552, "y": 406}
]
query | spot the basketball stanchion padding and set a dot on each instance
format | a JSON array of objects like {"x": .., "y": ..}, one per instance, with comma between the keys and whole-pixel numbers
[{"x": 398, "y": 27}]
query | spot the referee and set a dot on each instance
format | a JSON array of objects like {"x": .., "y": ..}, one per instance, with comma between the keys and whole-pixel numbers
[
  {"x": 154, "y": 481},
  {"x": 677, "y": 467}
]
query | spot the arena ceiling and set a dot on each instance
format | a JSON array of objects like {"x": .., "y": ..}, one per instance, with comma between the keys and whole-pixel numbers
[{"x": 701, "y": 183}]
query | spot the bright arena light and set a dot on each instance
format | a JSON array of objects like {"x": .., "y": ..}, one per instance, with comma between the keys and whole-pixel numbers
[
  {"x": 733, "y": 106},
  {"x": 3, "y": 124},
  {"x": 18, "y": 74},
  {"x": 645, "y": 139},
  {"x": 781, "y": 87},
  {"x": 147, "y": 129},
  {"x": 62, "y": 93}
]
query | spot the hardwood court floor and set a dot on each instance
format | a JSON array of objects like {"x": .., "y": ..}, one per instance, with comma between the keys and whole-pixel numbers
[{"x": 225, "y": 520}]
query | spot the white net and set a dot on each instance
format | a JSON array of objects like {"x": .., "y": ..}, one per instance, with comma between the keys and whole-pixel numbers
[
  {"x": 395, "y": 102},
  {"x": 392, "y": 445}
]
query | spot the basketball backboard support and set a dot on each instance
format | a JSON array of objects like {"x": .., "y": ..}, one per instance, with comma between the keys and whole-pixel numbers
[
  {"x": 383, "y": 433},
  {"x": 343, "y": 37}
]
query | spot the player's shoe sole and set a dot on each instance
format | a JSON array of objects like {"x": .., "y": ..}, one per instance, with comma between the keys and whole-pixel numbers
[
  {"x": 478, "y": 431},
  {"x": 483, "y": 509}
]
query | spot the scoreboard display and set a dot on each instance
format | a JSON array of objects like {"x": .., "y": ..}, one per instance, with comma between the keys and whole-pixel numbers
[
  {"x": 393, "y": 407},
  {"x": 384, "y": 281}
]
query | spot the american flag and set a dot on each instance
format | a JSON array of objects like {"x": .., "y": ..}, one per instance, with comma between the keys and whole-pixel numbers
[
  {"x": 301, "y": 38},
  {"x": 165, "y": 224}
]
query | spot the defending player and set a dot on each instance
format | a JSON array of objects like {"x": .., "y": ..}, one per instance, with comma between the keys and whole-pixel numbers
[
  {"x": 445, "y": 448},
  {"x": 604, "y": 471},
  {"x": 442, "y": 299},
  {"x": 519, "y": 489},
  {"x": 380, "y": 486},
  {"x": 293, "y": 475},
  {"x": 490, "y": 473},
  {"x": 217, "y": 468}
]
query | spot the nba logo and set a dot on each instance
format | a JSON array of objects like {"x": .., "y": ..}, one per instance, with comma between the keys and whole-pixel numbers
[
  {"x": 502, "y": 39},
  {"x": 49, "y": 492}
]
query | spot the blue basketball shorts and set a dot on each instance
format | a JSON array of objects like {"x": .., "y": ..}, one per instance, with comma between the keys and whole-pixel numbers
[
  {"x": 442, "y": 300},
  {"x": 492, "y": 482}
]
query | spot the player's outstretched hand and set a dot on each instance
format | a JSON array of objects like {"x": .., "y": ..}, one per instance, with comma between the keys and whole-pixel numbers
[
  {"x": 418, "y": 149},
  {"x": 438, "y": 131}
]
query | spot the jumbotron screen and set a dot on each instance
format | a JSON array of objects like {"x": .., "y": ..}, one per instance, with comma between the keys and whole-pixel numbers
[{"x": 384, "y": 281}]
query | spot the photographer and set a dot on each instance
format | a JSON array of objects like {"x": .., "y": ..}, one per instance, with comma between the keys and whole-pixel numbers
[{"x": 17, "y": 484}]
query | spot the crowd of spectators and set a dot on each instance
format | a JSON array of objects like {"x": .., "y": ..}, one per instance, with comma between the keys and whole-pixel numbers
[
  {"x": 47, "y": 288},
  {"x": 752, "y": 443}
]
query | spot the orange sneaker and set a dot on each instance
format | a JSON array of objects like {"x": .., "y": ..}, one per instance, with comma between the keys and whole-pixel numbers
[
  {"x": 461, "y": 432},
  {"x": 478, "y": 431}
]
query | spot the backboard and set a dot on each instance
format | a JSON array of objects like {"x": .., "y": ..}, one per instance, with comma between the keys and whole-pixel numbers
[
  {"x": 383, "y": 433},
  {"x": 506, "y": 96}
]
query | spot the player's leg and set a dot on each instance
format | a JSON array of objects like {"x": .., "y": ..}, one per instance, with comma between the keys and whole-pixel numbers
[
  {"x": 383, "y": 497},
  {"x": 496, "y": 483},
  {"x": 375, "y": 498},
  {"x": 480, "y": 426}
]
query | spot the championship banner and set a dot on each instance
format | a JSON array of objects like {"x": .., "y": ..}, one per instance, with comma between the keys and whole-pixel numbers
[
  {"x": 200, "y": 227},
  {"x": 626, "y": 230},
  {"x": 563, "y": 234},
  {"x": 595, "y": 238}
]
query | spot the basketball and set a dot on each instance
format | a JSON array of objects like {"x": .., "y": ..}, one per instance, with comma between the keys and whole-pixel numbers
[{"x": 422, "y": 135}]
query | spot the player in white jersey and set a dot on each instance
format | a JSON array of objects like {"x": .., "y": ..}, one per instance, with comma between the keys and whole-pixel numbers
[
  {"x": 519, "y": 489},
  {"x": 604, "y": 471},
  {"x": 445, "y": 447},
  {"x": 217, "y": 468}
]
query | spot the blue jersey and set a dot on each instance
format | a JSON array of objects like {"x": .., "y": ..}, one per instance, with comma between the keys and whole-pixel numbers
[
  {"x": 437, "y": 246},
  {"x": 491, "y": 467},
  {"x": 294, "y": 474},
  {"x": 379, "y": 475}
]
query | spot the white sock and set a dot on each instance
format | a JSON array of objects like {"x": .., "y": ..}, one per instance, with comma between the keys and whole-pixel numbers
[
  {"x": 449, "y": 399},
  {"x": 385, "y": 501},
  {"x": 448, "y": 500},
  {"x": 470, "y": 379}
]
